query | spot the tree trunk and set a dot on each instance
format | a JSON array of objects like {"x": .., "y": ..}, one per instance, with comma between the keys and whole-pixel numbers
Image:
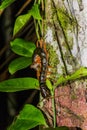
[{"x": 65, "y": 34}]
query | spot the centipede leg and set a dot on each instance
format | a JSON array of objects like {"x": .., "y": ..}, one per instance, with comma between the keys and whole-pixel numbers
[{"x": 45, "y": 92}]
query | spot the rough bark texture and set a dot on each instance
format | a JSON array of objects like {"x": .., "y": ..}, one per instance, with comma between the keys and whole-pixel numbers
[{"x": 66, "y": 31}]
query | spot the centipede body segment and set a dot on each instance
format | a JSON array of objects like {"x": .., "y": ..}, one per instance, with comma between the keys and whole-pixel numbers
[{"x": 40, "y": 64}]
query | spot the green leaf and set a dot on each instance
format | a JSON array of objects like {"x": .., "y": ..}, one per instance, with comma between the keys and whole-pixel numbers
[
  {"x": 18, "y": 84},
  {"x": 20, "y": 22},
  {"x": 19, "y": 63},
  {"x": 28, "y": 118},
  {"x": 5, "y": 3},
  {"x": 23, "y": 19},
  {"x": 22, "y": 47},
  {"x": 35, "y": 12},
  {"x": 80, "y": 73},
  {"x": 49, "y": 84}
]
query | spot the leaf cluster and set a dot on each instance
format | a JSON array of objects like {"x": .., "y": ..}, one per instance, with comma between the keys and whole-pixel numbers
[{"x": 27, "y": 118}]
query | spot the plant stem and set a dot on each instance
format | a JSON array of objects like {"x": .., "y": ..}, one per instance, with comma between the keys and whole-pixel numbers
[
  {"x": 23, "y": 7},
  {"x": 36, "y": 28},
  {"x": 54, "y": 109}
]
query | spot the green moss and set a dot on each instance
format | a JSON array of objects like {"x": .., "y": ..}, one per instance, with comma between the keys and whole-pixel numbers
[
  {"x": 53, "y": 61},
  {"x": 69, "y": 58},
  {"x": 66, "y": 20},
  {"x": 70, "y": 41},
  {"x": 67, "y": 23},
  {"x": 53, "y": 58},
  {"x": 73, "y": 96},
  {"x": 63, "y": 70}
]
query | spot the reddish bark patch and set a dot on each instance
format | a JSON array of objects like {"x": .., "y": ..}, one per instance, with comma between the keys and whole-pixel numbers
[{"x": 71, "y": 107}]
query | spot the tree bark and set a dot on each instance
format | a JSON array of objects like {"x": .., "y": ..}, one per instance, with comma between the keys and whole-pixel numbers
[{"x": 65, "y": 35}]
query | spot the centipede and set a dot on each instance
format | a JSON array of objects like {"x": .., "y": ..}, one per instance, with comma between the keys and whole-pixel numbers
[{"x": 40, "y": 64}]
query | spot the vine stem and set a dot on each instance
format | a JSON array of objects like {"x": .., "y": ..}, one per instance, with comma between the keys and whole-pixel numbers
[
  {"x": 23, "y": 7},
  {"x": 54, "y": 109},
  {"x": 36, "y": 28}
]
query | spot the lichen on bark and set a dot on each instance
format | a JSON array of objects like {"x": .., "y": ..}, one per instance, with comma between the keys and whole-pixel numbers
[
  {"x": 60, "y": 26},
  {"x": 66, "y": 24}
]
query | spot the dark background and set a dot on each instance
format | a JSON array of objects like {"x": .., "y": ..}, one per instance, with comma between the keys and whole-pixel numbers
[{"x": 12, "y": 103}]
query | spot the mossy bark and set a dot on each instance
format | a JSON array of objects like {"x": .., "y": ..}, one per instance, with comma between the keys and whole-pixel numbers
[{"x": 65, "y": 34}]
